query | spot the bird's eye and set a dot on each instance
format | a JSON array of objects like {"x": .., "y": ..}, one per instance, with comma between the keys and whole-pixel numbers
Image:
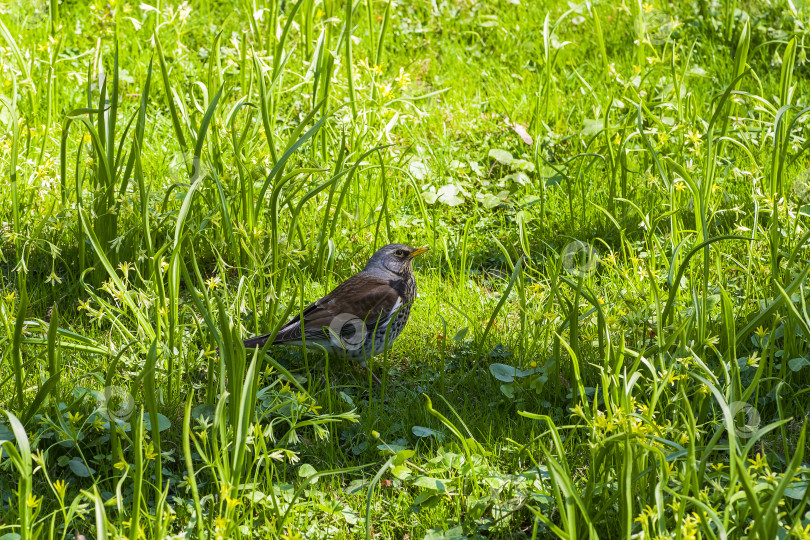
[{"x": 399, "y": 253}]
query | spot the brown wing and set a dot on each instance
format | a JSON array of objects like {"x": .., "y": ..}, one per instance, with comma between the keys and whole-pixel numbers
[{"x": 362, "y": 296}]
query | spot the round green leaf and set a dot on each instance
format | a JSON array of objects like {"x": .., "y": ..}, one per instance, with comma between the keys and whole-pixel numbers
[
  {"x": 206, "y": 410},
  {"x": 420, "y": 431},
  {"x": 79, "y": 468},
  {"x": 503, "y": 373},
  {"x": 796, "y": 364},
  {"x": 501, "y": 156},
  {"x": 306, "y": 470},
  {"x": 450, "y": 195},
  {"x": 5, "y": 433},
  {"x": 163, "y": 422},
  {"x": 433, "y": 484},
  {"x": 401, "y": 471},
  {"x": 418, "y": 169}
]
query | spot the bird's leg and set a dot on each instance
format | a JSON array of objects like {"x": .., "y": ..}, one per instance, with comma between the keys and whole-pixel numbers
[{"x": 362, "y": 364}]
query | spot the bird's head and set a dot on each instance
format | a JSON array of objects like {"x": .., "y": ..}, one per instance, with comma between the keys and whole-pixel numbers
[{"x": 394, "y": 258}]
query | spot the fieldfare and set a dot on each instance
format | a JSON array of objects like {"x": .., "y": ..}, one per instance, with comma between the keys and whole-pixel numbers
[{"x": 361, "y": 317}]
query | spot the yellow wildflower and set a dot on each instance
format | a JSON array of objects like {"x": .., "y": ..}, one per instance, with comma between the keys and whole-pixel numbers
[
  {"x": 213, "y": 282},
  {"x": 759, "y": 462},
  {"x": 149, "y": 451},
  {"x": 403, "y": 79},
  {"x": 60, "y": 486}
]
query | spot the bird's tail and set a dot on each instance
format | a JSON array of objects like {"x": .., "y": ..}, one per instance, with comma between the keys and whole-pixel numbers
[{"x": 256, "y": 341}]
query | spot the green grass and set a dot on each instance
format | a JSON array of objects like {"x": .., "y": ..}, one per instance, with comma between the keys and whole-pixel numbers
[{"x": 611, "y": 337}]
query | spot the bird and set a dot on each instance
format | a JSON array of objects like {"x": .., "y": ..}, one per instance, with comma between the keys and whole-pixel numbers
[{"x": 363, "y": 316}]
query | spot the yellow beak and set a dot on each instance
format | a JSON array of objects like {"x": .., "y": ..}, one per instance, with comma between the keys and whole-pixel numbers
[{"x": 419, "y": 251}]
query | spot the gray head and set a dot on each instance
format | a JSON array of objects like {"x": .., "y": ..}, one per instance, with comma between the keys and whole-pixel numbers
[{"x": 393, "y": 259}]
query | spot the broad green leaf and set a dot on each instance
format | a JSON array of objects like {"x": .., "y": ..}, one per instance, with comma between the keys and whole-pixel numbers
[
  {"x": 350, "y": 517},
  {"x": 519, "y": 178},
  {"x": 163, "y": 422},
  {"x": 796, "y": 364},
  {"x": 420, "y": 431},
  {"x": 523, "y": 165},
  {"x": 204, "y": 410},
  {"x": 456, "y": 533},
  {"x": 402, "y": 455},
  {"x": 426, "y": 498},
  {"x": 488, "y": 200},
  {"x": 503, "y": 373},
  {"x": 796, "y": 490},
  {"x": 431, "y": 196},
  {"x": 418, "y": 169},
  {"x": 401, "y": 471},
  {"x": 347, "y": 398},
  {"x": 389, "y": 448},
  {"x": 355, "y": 486},
  {"x": 306, "y": 470},
  {"x": 501, "y": 156},
  {"x": 451, "y": 195},
  {"x": 255, "y": 496},
  {"x": 79, "y": 468},
  {"x": 438, "y": 485},
  {"x": 508, "y": 390}
]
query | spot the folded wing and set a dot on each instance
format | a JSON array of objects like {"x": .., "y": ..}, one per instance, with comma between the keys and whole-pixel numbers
[{"x": 363, "y": 302}]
